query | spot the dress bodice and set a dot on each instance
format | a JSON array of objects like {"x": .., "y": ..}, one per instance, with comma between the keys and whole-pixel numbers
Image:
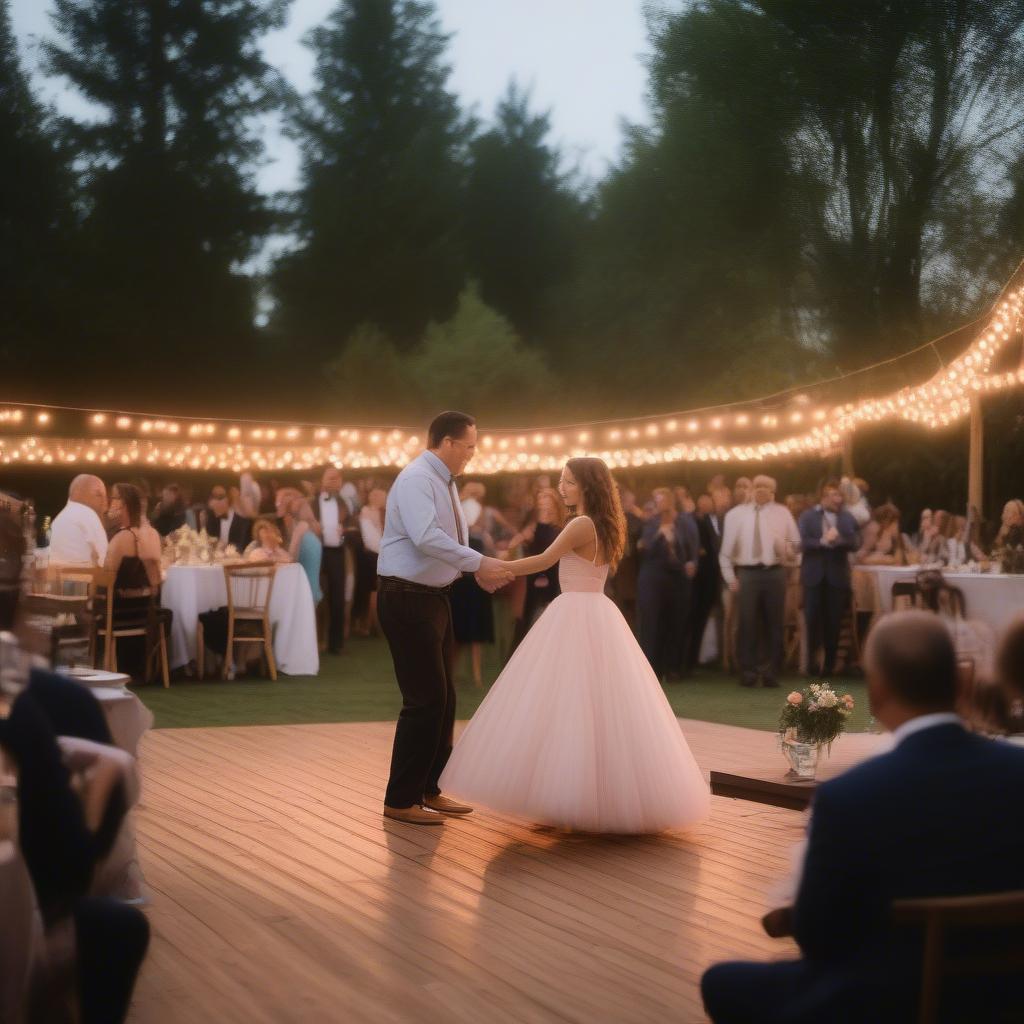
[{"x": 577, "y": 575}]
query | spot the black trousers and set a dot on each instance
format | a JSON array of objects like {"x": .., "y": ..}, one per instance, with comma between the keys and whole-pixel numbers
[
  {"x": 418, "y": 627},
  {"x": 824, "y": 607},
  {"x": 762, "y": 601},
  {"x": 707, "y": 589},
  {"x": 334, "y": 568},
  {"x": 111, "y": 940}
]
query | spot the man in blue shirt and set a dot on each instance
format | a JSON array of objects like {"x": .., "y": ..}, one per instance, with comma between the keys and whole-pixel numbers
[{"x": 424, "y": 550}]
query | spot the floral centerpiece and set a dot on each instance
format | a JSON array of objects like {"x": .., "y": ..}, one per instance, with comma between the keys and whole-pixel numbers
[
  {"x": 186, "y": 546},
  {"x": 812, "y": 719}
]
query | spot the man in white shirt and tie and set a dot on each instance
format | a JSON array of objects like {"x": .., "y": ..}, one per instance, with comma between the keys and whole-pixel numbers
[
  {"x": 77, "y": 536},
  {"x": 757, "y": 539},
  {"x": 423, "y": 552},
  {"x": 331, "y": 511}
]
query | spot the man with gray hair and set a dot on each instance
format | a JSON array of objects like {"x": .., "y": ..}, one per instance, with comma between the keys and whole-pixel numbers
[
  {"x": 77, "y": 536},
  {"x": 936, "y": 816},
  {"x": 757, "y": 539}
]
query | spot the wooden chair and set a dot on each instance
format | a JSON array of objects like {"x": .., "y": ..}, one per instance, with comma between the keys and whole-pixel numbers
[
  {"x": 908, "y": 590},
  {"x": 149, "y": 620},
  {"x": 937, "y": 917},
  {"x": 66, "y": 590},
  {"x": 249, "y": 588}
]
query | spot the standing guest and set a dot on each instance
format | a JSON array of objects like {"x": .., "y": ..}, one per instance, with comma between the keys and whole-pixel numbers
[
  {"x": 169, "y": 512},
  {"x": 422, "y": 553},
  {"x": 77, "y": 536},
  {"x": 665, "y": 547},
  {"x": 742, "y": 491},
  {"x": 331, "y": 513},
  {"x": 684, "y": 500},
  {"x": 268, "y": 545},
  {"x": 541, "y": 587},
  {"x": 928, "y": 819},
  {"x": 223, "y": 523},
  {"x": 855, "y": 496},
  {"x": 757, "y": 540},
  {"x": 371, "y": 525},
  {"x": 828, "y": 535},
  {"x": 623, "y": 583},
  {"x": 683, "y": 613},
  {"x": 707, "y": 584},
  {"x": 298, "y": 528},
  {"x": 472, "y": 608}
]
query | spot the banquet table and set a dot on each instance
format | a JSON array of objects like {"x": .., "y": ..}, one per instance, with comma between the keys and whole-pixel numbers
[
  {"x": 190, "y": 590},
  {"x": 993, "y": 598}
]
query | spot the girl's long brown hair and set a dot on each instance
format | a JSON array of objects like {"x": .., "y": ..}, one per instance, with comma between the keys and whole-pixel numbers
[{"x": 601, "y": 498}]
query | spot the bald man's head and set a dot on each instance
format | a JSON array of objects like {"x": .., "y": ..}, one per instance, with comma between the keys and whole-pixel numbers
[
  {"x": 911, "y": 667},
  {"x": 89, "y": 490}
]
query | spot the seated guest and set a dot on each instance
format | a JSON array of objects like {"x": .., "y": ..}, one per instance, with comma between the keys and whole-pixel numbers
[
  {"x": 828, "y": 533},
  {"x": 881, "y": 540},
  {"x": 268, "y": 545},
  {"x": 224, "y": 523},
  {"x": 77, "y": 536},
  {"x": 1011, "y": 530},
  {"x": 930, "y": 818},
  {"x": 299, "y": 530},
  {"x": 935, "y": 548},
  {"x": 133, "y": 553},
  {"x": 169, "y": 513},
  {"x": 924, "y": 529}
]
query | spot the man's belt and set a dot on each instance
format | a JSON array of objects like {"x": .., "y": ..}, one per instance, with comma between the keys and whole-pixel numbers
[{"x": 395, "y": 584}]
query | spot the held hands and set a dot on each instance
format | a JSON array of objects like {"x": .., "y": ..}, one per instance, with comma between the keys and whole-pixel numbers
[
  {"x": 493, "y": 574},
  {"x": 831, "y": 535}
]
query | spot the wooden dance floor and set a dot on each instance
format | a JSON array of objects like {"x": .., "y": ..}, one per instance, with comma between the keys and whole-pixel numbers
[{"x": 280, "y": 894}]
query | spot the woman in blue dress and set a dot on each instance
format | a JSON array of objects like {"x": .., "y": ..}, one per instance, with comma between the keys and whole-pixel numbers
[{"x": 299, "y": 527}]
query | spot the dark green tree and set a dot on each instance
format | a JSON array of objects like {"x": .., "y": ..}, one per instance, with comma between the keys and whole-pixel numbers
[
  {"x": 524, "y": 220},
  {"x": 173, "y": 206},
  {"x": 36, "y": 228},
  {"x": 379, "y": 214}
]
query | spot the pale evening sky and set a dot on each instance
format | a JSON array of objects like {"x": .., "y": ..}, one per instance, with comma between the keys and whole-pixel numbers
[{"x": 582, "y": 59}]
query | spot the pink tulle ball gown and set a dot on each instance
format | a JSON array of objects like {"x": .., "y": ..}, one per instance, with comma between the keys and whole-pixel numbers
[{"x": 576, "y": 731}]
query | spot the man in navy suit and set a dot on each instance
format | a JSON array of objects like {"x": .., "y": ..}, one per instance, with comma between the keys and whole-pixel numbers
[
  {"x": 828, "y": 534},
  {"x": 937, "y": 816}
]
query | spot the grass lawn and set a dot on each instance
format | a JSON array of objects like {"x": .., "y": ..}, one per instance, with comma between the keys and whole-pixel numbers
[{"x": 359, "y": 686}]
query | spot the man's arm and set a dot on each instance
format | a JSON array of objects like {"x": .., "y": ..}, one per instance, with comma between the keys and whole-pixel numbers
[
  {"x": 809, "y": 537},
  {"x": 419, "y": 515},
  {"x": 730, "y": 534},
  {"x": 848, "y": 539},
  {"x": 96, "y": 540}
]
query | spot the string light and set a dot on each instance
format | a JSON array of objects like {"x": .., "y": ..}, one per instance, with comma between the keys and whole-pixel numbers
[{"x": 938, "y": 402}]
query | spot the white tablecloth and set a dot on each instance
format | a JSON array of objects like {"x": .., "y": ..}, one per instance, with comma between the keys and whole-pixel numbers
[
  {"x": 192, "y": 589},
  {"x": 992, "y": 598}
]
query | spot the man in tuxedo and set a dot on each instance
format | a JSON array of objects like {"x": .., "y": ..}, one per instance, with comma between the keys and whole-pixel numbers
[
  {"x": 937, "y": 816},
  {"x": 330, "y": 511},
  {"x": 828, "y": 535},
  {"x": 223, "y": 523}
]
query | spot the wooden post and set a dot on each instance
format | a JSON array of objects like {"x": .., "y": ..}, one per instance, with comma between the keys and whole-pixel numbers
[{"x": 976, "y": 458}]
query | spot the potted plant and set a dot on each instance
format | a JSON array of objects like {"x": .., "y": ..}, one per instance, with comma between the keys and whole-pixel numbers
[{"x": 811, "y": 719}]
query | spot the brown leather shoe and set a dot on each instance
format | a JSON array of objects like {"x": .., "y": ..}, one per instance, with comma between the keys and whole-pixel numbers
[
  {"x": 414, "y": 815},
  {"x": 445, "y": 806}
]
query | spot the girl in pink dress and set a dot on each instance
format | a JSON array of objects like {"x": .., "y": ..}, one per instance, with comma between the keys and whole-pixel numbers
[{"x": 576, "y": 731}]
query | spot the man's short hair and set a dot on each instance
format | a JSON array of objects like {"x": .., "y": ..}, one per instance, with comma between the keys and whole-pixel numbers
[
  {"x": 449, "y": 424},
  {"x": 914, "y": 654},
  {"x": 829, "y": 485},
  {"x": 763, "y": 480}
]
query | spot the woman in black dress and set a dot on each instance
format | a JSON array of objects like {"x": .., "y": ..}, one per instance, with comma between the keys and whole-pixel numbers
[{"x": 542, "y": 587}]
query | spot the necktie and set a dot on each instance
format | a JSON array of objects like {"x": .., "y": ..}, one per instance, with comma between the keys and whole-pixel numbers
[
  {"x": 756, "y": 551},
  {"x": 455, "y": 512}
]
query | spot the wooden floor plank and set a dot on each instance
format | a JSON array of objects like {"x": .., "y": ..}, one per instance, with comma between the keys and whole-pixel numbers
[{"x": 279, "y": 893}]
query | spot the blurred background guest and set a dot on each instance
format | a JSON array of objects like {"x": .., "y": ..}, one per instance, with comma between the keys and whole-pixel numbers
[
  {"x": 169, "y": 513},
  {"x": 742, "y": 491},
  {"x": 223, "y": 523},
  {"x": 371, "y": 526},
  {"x": 472, "y": 610},
  {"x": 1011, "y": 528},
  {"x": 77, "y": 536},
  {"x": 268, "y": 545},
  {"x": 759, "y": 537},
  {"x": 331, "y": 513},
  {"x": 298, "y": 532},
  {"x": 622, "y": 585},
  {"x": 707, "y": 584},
  {"x": 881, "y": 539},
  {"x": 542, "y": 588},
  {"x": 828, "y": 535}
]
